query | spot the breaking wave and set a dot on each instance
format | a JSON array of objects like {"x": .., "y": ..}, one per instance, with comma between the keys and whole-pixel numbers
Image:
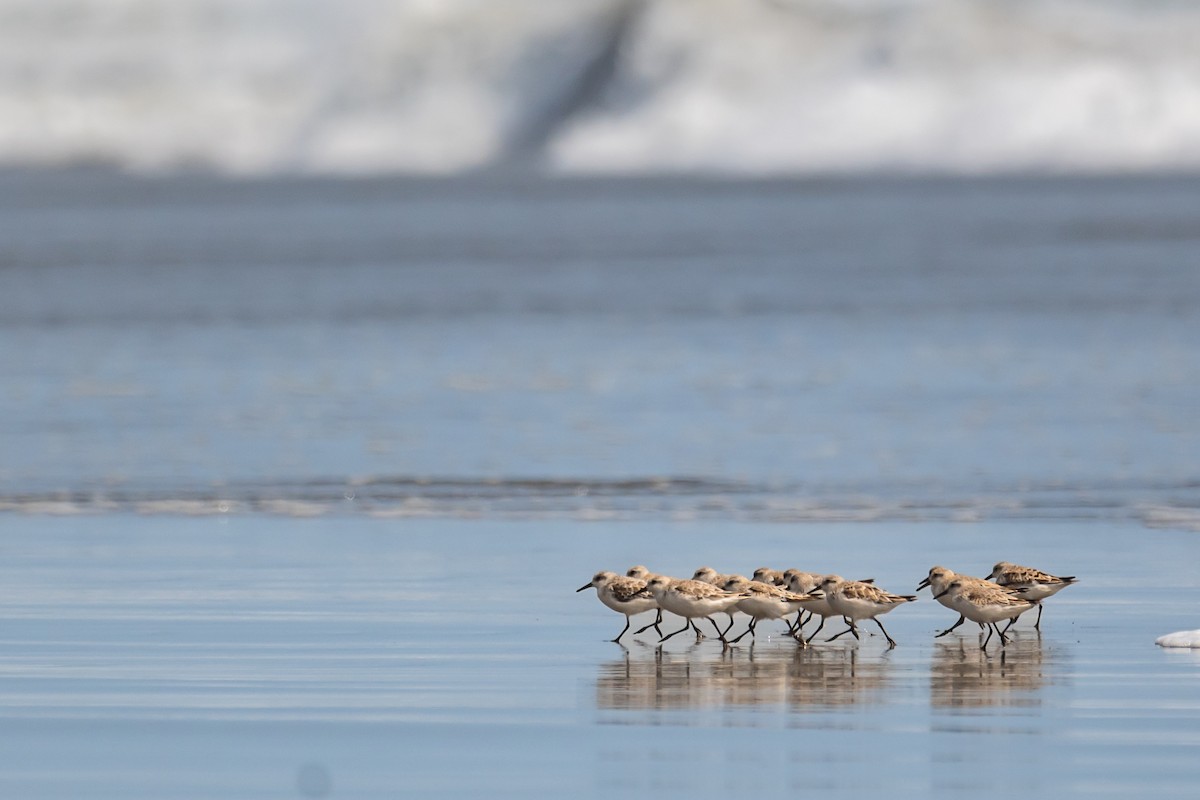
[
  {"x": 1157, "y": 505},
  {"x": 735, "y": 86}
]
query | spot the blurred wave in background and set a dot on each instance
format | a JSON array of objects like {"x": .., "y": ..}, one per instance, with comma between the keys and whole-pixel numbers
[
  {"x": 724, "y": 86},
  {"x": 483, "y": 257}
]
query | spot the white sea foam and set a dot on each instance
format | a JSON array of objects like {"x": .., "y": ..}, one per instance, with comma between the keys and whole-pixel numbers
[
  {"x": 1179, "y": 639},
  {"x": 601, "y": 85},
  {"x": 926, "y": 83},
  {"x": 682, "y": 498},
  {"x": 1171, "y": 517},
  {"x": 281, "y": 85}
]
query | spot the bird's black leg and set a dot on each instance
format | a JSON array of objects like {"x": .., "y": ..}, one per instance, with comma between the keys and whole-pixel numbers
[
  {"x": 838, "y": 635},
  {"x": 669, "y": 635},
  {"x": 655, "y": 624},
  {"x": 891, "y": 641},
  {"x": 749, "y": 630},
  {"x": 622, "y": 633},
  {"x": 852, "y": 629},
  {"x": 988, "y": 639},
  {"x": 961, "y": 620}
]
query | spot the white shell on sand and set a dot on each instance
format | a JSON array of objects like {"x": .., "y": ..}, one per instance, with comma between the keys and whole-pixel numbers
[{"x": 1179, "y": 639}]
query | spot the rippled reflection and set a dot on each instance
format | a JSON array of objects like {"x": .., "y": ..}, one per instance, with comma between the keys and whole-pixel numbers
[
  {"x": 960, "y": 676},
  {"x": 647, "y": 678},
  {"x": 963, "y": 676}
]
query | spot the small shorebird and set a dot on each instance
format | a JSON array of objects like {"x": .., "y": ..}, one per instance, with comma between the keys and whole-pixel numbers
[
  {"x": 764, "y": 601},
  {"x": 640, "y": 572},
  {"x": 938, "y": 579},
  {"x": 710, "y": 575},
  {"x": 801, "y": 582},
  {"x": 768, "y": 575},
  {"x": 856, "y": 600},
  {"x": 690, "y": 599},
  {"x": 624, "y": 595},
  {"x": 1035, "y": 584},
  {"x": 986, "y": 604},
  {"x": 718, "y": 579}
]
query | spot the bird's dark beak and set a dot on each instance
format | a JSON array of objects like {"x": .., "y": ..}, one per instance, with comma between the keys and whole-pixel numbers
[
  {"x": 943, "y": 594},
  {"x": 922, "y": 585},
  {"x": 585, "y": 586}
]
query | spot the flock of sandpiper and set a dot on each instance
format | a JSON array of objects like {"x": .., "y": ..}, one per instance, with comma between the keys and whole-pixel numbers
[{"x": 1007, "y": 593}]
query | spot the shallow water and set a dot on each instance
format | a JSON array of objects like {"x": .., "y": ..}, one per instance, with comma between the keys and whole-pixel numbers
[
  {"x": 515, "y": 347},
  {"x": 299, "y": 478},
  {"x": 150, "y": 657}
]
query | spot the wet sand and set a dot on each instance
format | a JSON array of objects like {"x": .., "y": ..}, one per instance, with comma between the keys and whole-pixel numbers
[{"x": 353, "y": 657}]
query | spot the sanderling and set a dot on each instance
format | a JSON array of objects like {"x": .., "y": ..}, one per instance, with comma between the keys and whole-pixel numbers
[
  {"x": 937, "y": 581},
  {"x": 856, "y": 600},
  {"x": 801, "y": 582},
  {"x": 624, "y": 595},
  {"x": 764, "y": 601},
  {"x": 710, "y": 575},
  {"x": 641, "y": 572},
  {"x": 1036, "y": 585},
  {"x": 768, "y": 575},
  {"x": 805, "y": 583},
  {"x": 691, "y": 599},
  {"x": 718, "y": 579},
  {"x": 986, "y": 604}
]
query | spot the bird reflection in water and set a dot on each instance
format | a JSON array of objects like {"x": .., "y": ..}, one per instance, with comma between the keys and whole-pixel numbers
[
  {"x": 963, "y": 676},
  {"x": 799, "y": 678}
]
